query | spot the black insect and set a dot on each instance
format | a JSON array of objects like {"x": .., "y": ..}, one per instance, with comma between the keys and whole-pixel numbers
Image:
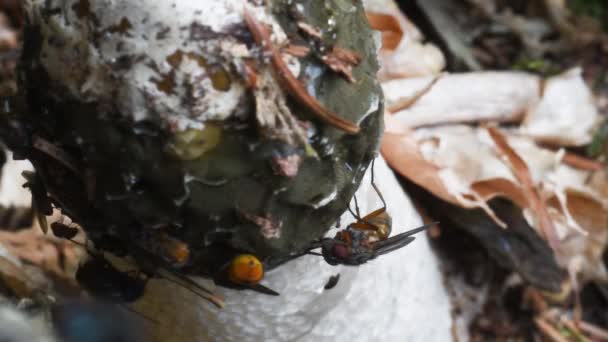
[{"x": 332, "y": 282}]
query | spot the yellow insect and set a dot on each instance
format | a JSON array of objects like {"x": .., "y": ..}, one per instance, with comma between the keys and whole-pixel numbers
[{"x": 246, "y": 271}]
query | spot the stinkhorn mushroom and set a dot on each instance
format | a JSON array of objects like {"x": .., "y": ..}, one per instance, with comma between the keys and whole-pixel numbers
[{"x": 180, "y": 135}]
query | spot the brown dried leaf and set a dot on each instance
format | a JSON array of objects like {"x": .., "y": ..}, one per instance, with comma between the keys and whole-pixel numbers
[
  {"x": 342, "y": 61},
  {"x": 522, "y": 173},
  {"x": 582, "y": 163},
  {"x": 389, "y": 26},
  {"x": 460, "y": 165},
  {"x": 404, "y": 54},
  {"x": 310, "y": 30},
  {"x": 403, "y": 153},
  {"x": 288, "y": 80},
  {"x": 299, "y": 51}
]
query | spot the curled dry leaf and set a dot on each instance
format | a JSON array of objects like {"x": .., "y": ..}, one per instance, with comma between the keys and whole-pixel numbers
[
  {"x": 299, "y": 51},
  {"x": 522, "y": 174},
  {"x": 404, "y": 153},
  {"x": 310, "y": 30},
  {"x": 463, "y": 165},
  {"x": 342, "y": 61},
  {"x": 291, "y": 84},
  {"x": 403, "y": 54},
  {"x": 390, "y": 28},
  {"x": 579, "y": 162}
]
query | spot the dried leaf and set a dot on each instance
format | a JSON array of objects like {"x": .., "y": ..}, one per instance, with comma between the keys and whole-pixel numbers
[
  {"x": 403, "y": 153},
  {"x": 521, "y": 171},
  {"x": 342, "y": 61},
  {"x": 460, "y": 165},
  {"x": 291, "y": 84},
  {"x": 310, "y": 30},
  {"x": 389, "y": 26},
  {"x": 299, "y": 51},
  {"x": 403, "y": 54},
  {"x": 582, "y": 163}
]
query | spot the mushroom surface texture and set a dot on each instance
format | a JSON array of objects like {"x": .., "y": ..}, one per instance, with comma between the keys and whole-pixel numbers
[{"x": 181, "y": 134}]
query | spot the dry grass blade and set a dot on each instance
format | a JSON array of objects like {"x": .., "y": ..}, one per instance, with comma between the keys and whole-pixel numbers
[
  {"x": 290, "y": 82},
  {"x": 522, "y": 173}
]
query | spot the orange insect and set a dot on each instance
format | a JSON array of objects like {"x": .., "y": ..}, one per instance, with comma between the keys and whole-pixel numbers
[{"x": 246, "y": 271}]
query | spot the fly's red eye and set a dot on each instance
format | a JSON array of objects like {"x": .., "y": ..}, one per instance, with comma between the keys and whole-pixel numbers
[{"x": 340, "y": 251}]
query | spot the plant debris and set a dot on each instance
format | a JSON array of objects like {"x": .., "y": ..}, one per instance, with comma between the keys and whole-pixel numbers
[
  {"x": 290, "y": 82},
  {"x": 342, "y": 62}
]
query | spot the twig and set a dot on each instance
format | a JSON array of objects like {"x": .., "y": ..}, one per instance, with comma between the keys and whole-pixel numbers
[
  {"x": 575, "y": 330},
  {"x": 290, "y": 82},
  {"x": 548, "y": 330},
  {"x": 593, "y": 330}
]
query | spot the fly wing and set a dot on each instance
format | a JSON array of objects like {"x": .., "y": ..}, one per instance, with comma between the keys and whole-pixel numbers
[
  {"x": 399, "y": 240},
  {"x": 392, "y": 243},
  {"x": 418, "y": 230}
]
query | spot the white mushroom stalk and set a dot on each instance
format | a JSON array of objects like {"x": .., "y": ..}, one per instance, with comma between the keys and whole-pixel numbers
[{"x": 213, "y": 171}]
